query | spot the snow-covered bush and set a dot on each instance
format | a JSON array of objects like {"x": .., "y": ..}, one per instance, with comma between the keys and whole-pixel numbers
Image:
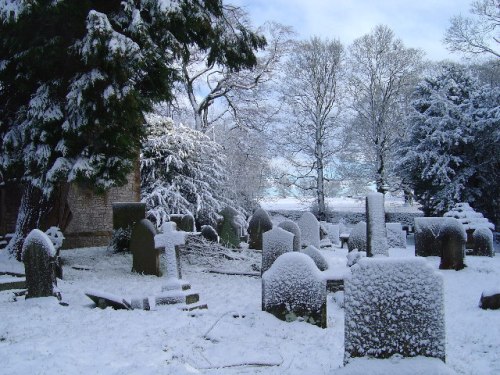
[
  {"x": 357, "y": 237},
  {"x": 275, "y": 242},
  {"x": 426, "y": 233},
  {"x": 451, "y": 240},
  {"x": 394, "y": 306},
  {"x": 317, "y": 257},
  {"x": 182, "y": 171},
  {"x": 259, "y": 223},
  {"x": 294, "y": 287},
  {"x": 483, "y": 242},
  {"x": 309, "y": 229},
  {"x": 56, "y": 237},
  {"x": 376, "y": 241},
  {"x": 396, "y": 236},
  {"x": 292, "y": 227}
]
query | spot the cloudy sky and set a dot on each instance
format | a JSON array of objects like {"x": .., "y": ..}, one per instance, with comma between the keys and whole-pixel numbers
[{"x": 419, "y": 23}]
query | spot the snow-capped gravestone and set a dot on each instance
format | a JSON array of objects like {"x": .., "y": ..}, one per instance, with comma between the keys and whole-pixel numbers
[
  {"x": 275, "y": 242},
  {"x": 230, "y": 228},
  {"x": 294, "y": 288},
  {"x": 146, "y": 257},
  {"x": 483, "y": 242},
  {"x": 260, "y": 222},
  {"x": 376, "y": 237},
  {"x": 309, "y": 230},
  {"x": 169, "y": 239},
  {"x": 396, "y": 236},
  {"x": 333, "y": 232},
  {"x": 490, "y": 299},
  {"x": 357, "y": 237},
  {"x": 209, "y": 233},
  {"x": 317, "y": 257},
  {"x": 39, "y": 257},
  {"x": 125, "y": 216},
  {"x": 426, "y": 236},
  {"x": 394, "y": 306},
  {"x": 293, "y": 228},
  {"x": 452, "y": 239}
]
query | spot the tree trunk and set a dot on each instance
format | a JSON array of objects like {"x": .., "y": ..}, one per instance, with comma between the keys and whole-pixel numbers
[
  {"x": 39, "y": 211},
  {"x": 320, "y": 179}
]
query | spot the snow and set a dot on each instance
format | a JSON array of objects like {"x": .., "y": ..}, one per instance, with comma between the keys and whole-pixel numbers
[
  {"x": 333, "y": 232},
  {"x": 275, "y": 242},
  {"x": 317, "y": 257},
  {"x": 491, "y": 291},
  {"x": 396, "y": 236},
  {"x": 309, "y": 229},
  {"x": 79, "y": 339},
  {"x": 357, "y": 237},
  {"x": 396, "y": 365},
  {"x": 39, "y": 238}
]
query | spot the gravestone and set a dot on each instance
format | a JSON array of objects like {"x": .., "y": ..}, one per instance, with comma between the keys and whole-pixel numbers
[
  {"x": 170, "y": 239},
  {"x": 187, "y": 223},
  {"x": 483, "y": 242},
  {"x": 357, "y": 237},
  {"x": 394, "y": 306},
  {"x": 275, "y": 242},
  {"x": 292, "y": 227},
  {"x": 146, "y": 259},
  {"x": 426, "y": 236},
  {"x": 229, "y": 228},
  {"x": 376, "y": 237},
  {"x": 125, "y": 216},
  {"x": 309, "y": 230},
  {"x": 260, "y": 222},
  {"x": 293, "y": 288},
  {"x": 209, "y": 233},
  {"x": 317, "y": 257},
  {"x": 490, "y": 299},
  {"x": 333, "y": 232},
  {"x": 39, "y": 257},
  {"x": 452, "y": 238}
]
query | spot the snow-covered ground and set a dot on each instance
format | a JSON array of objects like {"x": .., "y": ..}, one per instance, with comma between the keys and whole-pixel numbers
[{"x": 40, "y": 336}]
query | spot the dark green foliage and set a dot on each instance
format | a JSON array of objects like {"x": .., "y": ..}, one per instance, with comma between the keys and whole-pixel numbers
[
  {"x": 259, "y": 223},
  {"x": 229, "y": 228}
]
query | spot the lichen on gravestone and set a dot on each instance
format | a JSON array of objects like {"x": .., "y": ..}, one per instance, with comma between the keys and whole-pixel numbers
[{"x": 39, "y": 257}]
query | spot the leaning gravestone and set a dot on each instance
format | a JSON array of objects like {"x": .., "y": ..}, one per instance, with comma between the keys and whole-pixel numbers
[
  {"x": 146, "y": 259},
  {"x": 260, "y": 222},
  {"x": 426, "y": 236},
  {"x": 309, "y": 230},
  {"x": 357, "y": 237},
  {"x": 229, "y": 228},
  {"x": 39, "y": 257},
  {"x": 294, "y": 288},
  {"x": 394, "y": 306},
  {"x": 292, "y": 227},
  {"x": 376, "y": 237},
  {"x": 275, "y": 242},
  {"x": 483, "y": 242},
  {"x": 452, "y": 238}
]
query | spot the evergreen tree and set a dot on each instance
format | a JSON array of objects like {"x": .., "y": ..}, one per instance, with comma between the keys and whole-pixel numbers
[
  {"x": 75, "y": 79},
  {"x": 453, "y": 150}
]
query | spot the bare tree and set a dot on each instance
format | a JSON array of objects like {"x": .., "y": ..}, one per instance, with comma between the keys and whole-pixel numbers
[
  {"x": 382, "y": 73},
  {"x": 476, "y": 35},
  {"x": 215, "y": 91},
  {"x": 312, "y": 92}
]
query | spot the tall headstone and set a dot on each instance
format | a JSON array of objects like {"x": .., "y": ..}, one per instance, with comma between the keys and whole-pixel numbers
[
  {"x": 39, "y": 257},
  {"x": 309, "y": 230},
  {"x": 294, "y": 287},
  {"x": 146, "y": 258},
  {"x": 293, "y": 228},
  {"x": 376, "y": 237},
  {"x": 275, "y": 242},
  {"x": 426, "y": 236},
  {"x": 260, "y": 222},
  {"x": 452, "y": 238},
  {"x": 394, "y": 306}
]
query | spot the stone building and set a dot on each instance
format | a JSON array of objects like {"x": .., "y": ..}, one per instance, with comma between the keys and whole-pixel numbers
[{"x": 92, "y": 215}]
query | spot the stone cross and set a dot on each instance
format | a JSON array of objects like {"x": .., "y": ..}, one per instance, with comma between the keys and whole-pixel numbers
[{"x": 170, "y": 239}]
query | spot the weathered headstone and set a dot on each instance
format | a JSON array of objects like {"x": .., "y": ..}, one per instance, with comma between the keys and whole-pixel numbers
[
  {"x": 187, "y": 223},
  {"x": 293, "y": 228},
  {"x": 125, "y": 216},
  {"x": 39, "y": 256},
  {"x": 275, "y": 242},
  {"x": 490, "y": 299},
  {"x": 483, "y": 242},
  {"x": 294, "y": 288},
  {"x": 146, "y": 258},
  {"x": 357, "y": 237},
  {"x": 426, "y": 236},
  {"x": 376, "y": 237},
  {"x": 396, "y": 236},
  {"x": 317, "y": 257},
  {"x": 260, "y": 222},
  {"x": 229, "y": 228},
  {"x": 309, "y": 230},
  {"x": 170, "y": 239},
  {"x": 394, "y": 306},
  {"x": 452, "y": 238},
  {"x": 209, "y": 233}
]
